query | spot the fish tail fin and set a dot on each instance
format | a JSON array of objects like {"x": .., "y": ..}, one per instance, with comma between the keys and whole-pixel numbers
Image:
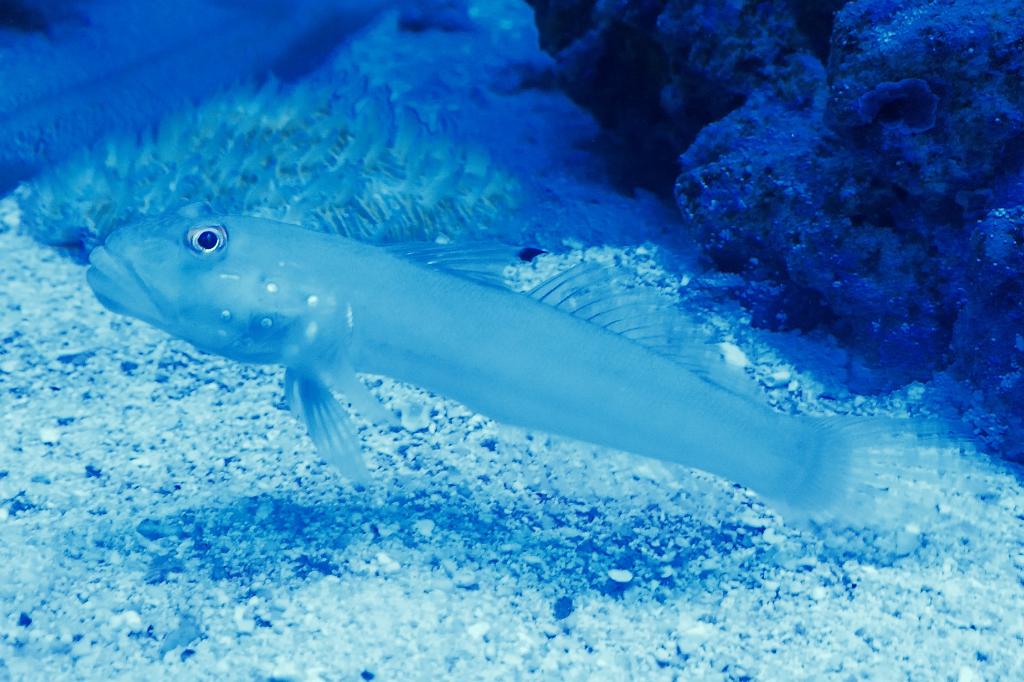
[{"x": 866, "y": 471}]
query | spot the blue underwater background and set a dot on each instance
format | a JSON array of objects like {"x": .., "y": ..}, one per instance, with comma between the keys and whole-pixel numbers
[{"x": 832, "y": 191}]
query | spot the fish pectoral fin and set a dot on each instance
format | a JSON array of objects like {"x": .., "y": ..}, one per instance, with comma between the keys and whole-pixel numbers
[
  {"x": 364, "y": 402},
  {"x": 328, "y": 425}
]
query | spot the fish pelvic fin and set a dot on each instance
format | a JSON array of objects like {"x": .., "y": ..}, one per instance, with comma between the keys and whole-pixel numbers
[
  {"x": 328, "y": 424},
  {"x": 364, "y": 402},
  {"x": 339, "y": 374}
]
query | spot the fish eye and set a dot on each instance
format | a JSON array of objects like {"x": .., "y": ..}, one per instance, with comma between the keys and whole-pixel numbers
[{"x": 207, "y": 238}]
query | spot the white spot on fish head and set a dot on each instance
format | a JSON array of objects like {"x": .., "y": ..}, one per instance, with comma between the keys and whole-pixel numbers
[
  {"x": 266, "y": 323},
  {"x": 312, "y": 300},
  {"x": 229, "y": 276},
  {"x": 272, "y": 287},
  {"x": 311, "y": 330},
  {"x": 349, "y": 318},
  {"x": 225, "y": 314}
]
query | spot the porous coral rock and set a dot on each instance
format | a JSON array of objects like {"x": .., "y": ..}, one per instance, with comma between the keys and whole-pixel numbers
[
  {"x": 988, "y": 339},
  {"x": 657, "y": 71}
]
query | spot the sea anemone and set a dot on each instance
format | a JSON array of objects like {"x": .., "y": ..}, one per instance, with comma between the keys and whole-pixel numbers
[{"x": 338, "y": 155}]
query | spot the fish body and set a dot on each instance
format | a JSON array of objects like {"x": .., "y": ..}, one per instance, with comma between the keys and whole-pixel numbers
[
  {"x": 523, "y": 362},
  {"x": 565, "y": 359}
]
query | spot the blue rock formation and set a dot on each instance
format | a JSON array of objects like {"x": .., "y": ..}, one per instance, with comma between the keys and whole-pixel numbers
[
  {"x": 657, "y": 71},
  {"x": 988, "y": 338},
  {"x": 862, "y": 171}
]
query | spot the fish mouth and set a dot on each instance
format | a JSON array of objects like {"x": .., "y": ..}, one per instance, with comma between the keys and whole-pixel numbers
[{"x": 119, "y": 288}]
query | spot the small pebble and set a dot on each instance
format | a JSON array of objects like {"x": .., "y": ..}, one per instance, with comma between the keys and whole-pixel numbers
[
  {"x": 424, "y": 527},
  {"x": 478, "y": 630},
  {"x": 129, "y": 620},
  {"x": 968, "y": 674},
  {"x": 387, "y": 564},
  {"x": 620, "y": 575},
  {"x": 243, "y": 622},
  {"x": 187, "y": 632},
  {"x": 415, "y": 417},
  {"x": 154, "y": 529},
  {"x": 49, "y": 435},
  {"x": 563, "y": 608},
  {"x": 906, "y": 541},
  {"x": 733, "y": 354},
  {"x": 285, "y": 670},
  {"x": 466, "y": 580},
  {"x": 10, "y": 212}
]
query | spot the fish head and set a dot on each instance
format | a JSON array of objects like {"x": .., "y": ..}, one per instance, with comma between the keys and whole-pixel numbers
[{"x": 224, "y": 283}]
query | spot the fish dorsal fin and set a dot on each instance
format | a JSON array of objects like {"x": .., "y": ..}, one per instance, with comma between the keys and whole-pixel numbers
[
  {"x": 590, "y": 292},
  {"x": 482, "y": 262}
]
